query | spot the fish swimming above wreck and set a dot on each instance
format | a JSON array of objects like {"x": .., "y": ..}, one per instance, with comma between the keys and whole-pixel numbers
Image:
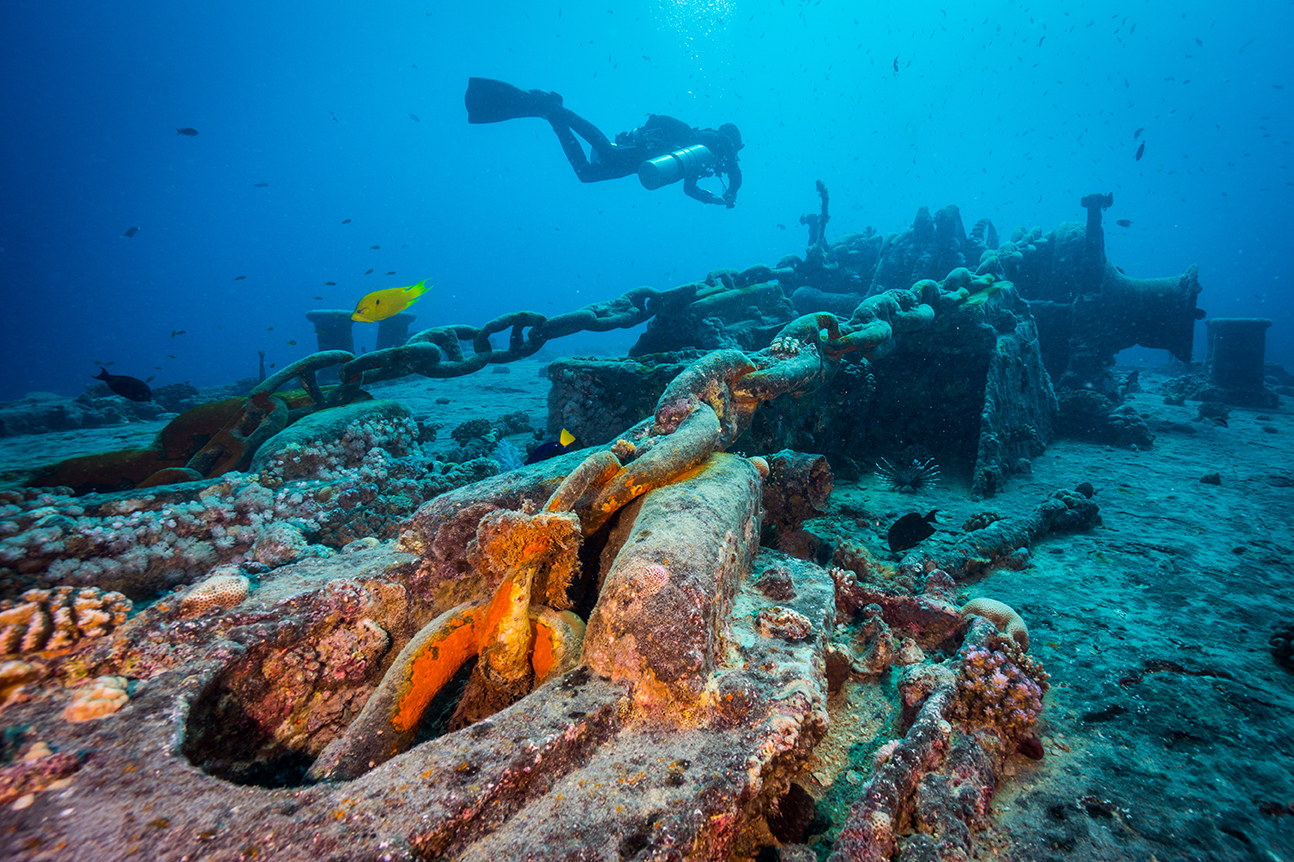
[
  {"x": 381, "y": 304},
  {"x": 131, "y": 388},
  {"x": 911, "y": 530}
]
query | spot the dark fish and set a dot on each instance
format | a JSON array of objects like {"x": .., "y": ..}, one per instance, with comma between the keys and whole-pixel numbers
[
  {"x": 330, "y": 283},
  {"x": 782, "y": 226},
  {"x": 150, "y": 379},
  {"x": 392, "y": 272},
  {"x": 1123, "y": 222},
  {"x": 552, "y": 448},
  {"x": 345, "y": 221},
  {"x": 269, "y": 329},
  {"x": 334, "y": 117},
  {"x": 414, "y": 117},
  {"x": 1218, "y": 420},
  {"x": 260, "y": 185},
  {"x": 1199, "y": 42},
  {"x": 319, "y": 297},
  {"x": 370, "y": 272},
  {"x": 188, "y": 133},
  {"x": 127, "y": 387},
  {"x": 896, "y": 64},
  {"x": 175, "y": 332},
  {"x": 1040, "y": 41},
  {"x": 374, "y": 247},
  {"x": 910, "y": 530},
  {"x": 131, "y": 231},
  {"x": 1137, "y": 134},
  {"x": 293, "y": 343},
  {"x": 1086, "y": 489},
  {"x": 170, "y": 356},
  {"x": 1141, "y": 150},
  {"x": 239, "y": 277}
]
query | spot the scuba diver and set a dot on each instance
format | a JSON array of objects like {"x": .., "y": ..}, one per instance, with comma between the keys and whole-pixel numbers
[{"x": 661, "y": 151}]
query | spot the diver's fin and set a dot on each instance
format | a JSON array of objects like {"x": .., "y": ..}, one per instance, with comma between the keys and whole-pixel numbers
[{"x": 490, "y": 101}]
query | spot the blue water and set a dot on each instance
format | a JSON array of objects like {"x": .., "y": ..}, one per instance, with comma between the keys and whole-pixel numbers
[{"x": 1011, "y": 111}]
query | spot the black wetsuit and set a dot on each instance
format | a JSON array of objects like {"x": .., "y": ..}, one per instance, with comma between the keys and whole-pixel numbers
[{"x": 656, "y": 137}]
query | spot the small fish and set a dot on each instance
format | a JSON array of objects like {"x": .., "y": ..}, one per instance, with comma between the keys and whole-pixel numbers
[
  {"x": 345, "y": 221},
  {"x": 269, "y": 329},
  {"x": 910, "y": 530},
  {"x": 260, "y": 185},
  {"x": 392, "y": 272},
  {"x": 1123, "y": 222},
  {"x": 188, "y": 133},
  {"x": 319, "y": 297},
  {"x": 414, "y": 117},
  {"x": 1141, "y": 151},
  {"x": 127, "y": 387},
  {"x": 781, "y": 226},
  {"x": 370, "y": 272},
  {"x": 239, "y": 277},
  {"x": 1137, "y": 134},
  {"x": 552, "y": 448},
  {"x": 150, "y": 378},
  {"x": 381, "y": 304},
  {"x": 982, "y": 296},
  {"x": 168, "y": 356},
  {"x": 374, "y": 247},
  {"x": 1218, "y": 420},
  {"x": 131, "y": 232},
  {"x": 175, "y": 332},
  {"x": 155, "y": 368},
  {"x": 1086, "y": 489},
  {"x": 1199, "y": 42},
  {"x": 1040, "y": 41},
  {"x": 293, "y": 343},
  {"x": 334, "y": 117}
]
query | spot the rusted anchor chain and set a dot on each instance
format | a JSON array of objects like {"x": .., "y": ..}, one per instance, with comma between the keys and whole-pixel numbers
[
  {"x": 305, "y": 368},
  {"x": 877, "y": 319},
  {"x": 705, "y": 409},
  {"x": 438, "y": 352}
]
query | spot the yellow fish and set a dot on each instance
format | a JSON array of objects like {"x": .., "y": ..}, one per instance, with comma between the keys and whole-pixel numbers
[{"x": 381, "y": 304}]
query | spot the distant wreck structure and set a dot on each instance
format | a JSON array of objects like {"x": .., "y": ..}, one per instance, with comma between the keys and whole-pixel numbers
[{"x": 988, "y": 328}]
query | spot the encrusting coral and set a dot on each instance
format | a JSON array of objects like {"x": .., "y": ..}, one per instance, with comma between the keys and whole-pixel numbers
[
  {"x": 103, "y": 696},
  {"x": 310, "y": 498},
  {"x": 1000, "y": 684},
  {"x": 58, "y": 618}
]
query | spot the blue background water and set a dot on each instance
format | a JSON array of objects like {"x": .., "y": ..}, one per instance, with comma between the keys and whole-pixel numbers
[{"x": 1012, "y": 111}]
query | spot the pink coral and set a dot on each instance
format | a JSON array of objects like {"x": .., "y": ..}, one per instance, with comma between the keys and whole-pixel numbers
[{"x": 1001, "y": 685}]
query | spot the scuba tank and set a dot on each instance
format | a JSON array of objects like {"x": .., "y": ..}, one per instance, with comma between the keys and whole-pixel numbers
[{"x": 690, "y": 161}]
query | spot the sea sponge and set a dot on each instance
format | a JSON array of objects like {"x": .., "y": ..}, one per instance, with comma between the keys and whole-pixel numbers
[
  {"x": 222, "y": 591},
  {"x": 1001, "y": 615},
  {"x": 58, "y": 618},
  {"x": 784, "y": 623},
  {"x": 13, "y": 676},
  {"x": 101, "y": 697}
]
